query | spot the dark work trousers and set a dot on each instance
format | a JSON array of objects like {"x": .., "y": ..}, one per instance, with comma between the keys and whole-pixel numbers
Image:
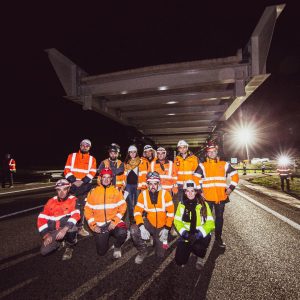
[
  {"x": 102, "y": 239},
  {"x": 81, "y": 194},
  {"x": 219, "y": 212},
  {"x": 131, "y": 198},
  {"x": 7, "y": 176},
  {"x": 70, "y": 239},
  {"x": 141, "y": 244},
  {"x": 184, "y": 249},
  {"x": 287, "y": 180}
]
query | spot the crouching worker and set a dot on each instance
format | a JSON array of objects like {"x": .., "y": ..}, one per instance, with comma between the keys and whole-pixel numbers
[
  {"x": 158, "y": 206},
  {"x": 57, "y": 222},
  {"x": 104, "y": 209},
  {"x": 194, "y": 222}
]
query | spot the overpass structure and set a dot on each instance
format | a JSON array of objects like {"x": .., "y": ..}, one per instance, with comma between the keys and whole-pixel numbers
[{"x": 188, "y": 100}]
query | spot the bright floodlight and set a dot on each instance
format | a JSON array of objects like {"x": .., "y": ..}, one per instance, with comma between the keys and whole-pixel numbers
[
  {"x": 245, "y": 135},
  {"x": 284, "y": 160}
]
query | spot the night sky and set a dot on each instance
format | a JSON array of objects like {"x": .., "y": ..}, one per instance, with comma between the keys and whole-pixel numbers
[{"x": 39, "y": 127}]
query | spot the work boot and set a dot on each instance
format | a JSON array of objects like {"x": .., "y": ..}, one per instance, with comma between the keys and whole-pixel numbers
[
  {"x": 68, "y": 254},
  {"x": 83, "y": 232},
  {"x": 140, "y": 257},
  {"x": 220, "y": 242},
  {"x": 199, "y": 263},
  {"x": 62, "y": 245},
  {"x": 117, "y": 253}
]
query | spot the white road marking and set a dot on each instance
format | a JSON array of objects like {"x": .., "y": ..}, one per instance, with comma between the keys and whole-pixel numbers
[
  {"x": 269, "y": 210},
  {"x": 157, "y": 273},
  {"x": 21, "y": 211},
  {"x": 17, "y": 287},
  {"x": 37, "y": 188},
  {"x": 107, "y": 295}
]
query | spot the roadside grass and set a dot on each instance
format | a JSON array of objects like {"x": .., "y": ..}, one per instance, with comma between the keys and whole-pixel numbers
[{"x": 273, "y": 182}]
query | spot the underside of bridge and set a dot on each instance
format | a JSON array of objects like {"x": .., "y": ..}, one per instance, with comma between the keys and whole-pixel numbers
[{"x": 166, "y": 103}]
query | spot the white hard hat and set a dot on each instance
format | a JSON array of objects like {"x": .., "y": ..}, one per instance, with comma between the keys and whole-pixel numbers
[
  {"x": 132, "y": 148},
  {"x": 161, "y": 149},
  {"x": 62, "y": 183},
  {"x": 87, "y": 142},
  {"x": 148, "y": 147},
  {"x": 182, "y": 143},
  {"x": 189, "y": 184}
]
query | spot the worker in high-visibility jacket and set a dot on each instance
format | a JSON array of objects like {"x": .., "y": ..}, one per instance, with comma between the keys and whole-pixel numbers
[
  {"x": 8, "y": 170},
  {"x": 57, "y": 222},
  {"x": 185, "y": 165},
  {"x": 116, "y": 165},
  {"x": 149, "y": 155},
  {"x": 214, "y": 173},
  {"x": 104, "y": 210},
  {"x": 80, "y": 169},
  {"x": 194, "y": 222},
  {"x": 284, "y": 173},
  {"x": 165, "y": 169},
  {"x": 154, "y": 214}
]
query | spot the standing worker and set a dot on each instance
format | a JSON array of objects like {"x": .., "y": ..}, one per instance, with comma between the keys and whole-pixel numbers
[
  {"x": 116, "y": 165},
  {"x": 8, "y": 170},
  {"x": 154, "y": 214},
  {"x": 284, "y": 173},
  {"x": 104, "y": 210},
  {"x": 80, "y": 170},
  {"x": 214, "y": 173},
  {"x": 194, "y": 222}
]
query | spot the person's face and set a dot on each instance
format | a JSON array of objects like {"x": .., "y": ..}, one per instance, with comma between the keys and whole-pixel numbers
[
  {"x": 148, "y": 153},
  {"x": 106, "y": 179},
  {"x": 182, "y": 149},
  {"x": 132, "y": 154},
  {"x": 113, "y": 155},
  {"x": 84, "y": 148},
  {"x": 152, "y": 186},
  {"x": 190, "y": 193},
  {"x": 161, "y": 155},
  {"x": 212, "y": 153},
  {"x": 62, "y": 192}
]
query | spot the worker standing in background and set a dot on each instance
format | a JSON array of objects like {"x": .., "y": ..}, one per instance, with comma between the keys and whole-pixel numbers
[{"x": 8, "y": 170}]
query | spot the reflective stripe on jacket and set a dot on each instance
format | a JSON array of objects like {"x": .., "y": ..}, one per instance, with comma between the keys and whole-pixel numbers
[
  {"x": 205, "y": 227},
  {"x": 12, "y": 165},
  {"x": 213, "y": 175},
  {"x": 80, "y": 165},
  {"x": 160, "y": 214},
  {"x": 284, "y": 171},
  {"x": 166, "y": 172},
  {"x": 144, "y": 168},
  {"x": 56, "y": 212},
  {"x": 185, "y": 168},
  {"x": 104, "y": 205}
]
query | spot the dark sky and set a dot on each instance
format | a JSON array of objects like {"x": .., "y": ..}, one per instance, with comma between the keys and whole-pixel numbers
[{"x": 39, "y": 127}]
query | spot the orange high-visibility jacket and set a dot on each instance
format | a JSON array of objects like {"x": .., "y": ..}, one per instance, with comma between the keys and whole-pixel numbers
[
  {"x": 185, "y": 168},
  {"x": 120, "y": 179},
  {"x": 144, "y": 168},
  {"x": 104, "y": 205},
  {"x": 81, "y": 166},
  {"x": 12, "y": 165},
  {"x": 213, "y": 174},
  {"x": 160, "y": 214},
  {"x": 168, "y": 177},
  {"x": 56, "y": 212},
  {"x": 284, "y": 171}
]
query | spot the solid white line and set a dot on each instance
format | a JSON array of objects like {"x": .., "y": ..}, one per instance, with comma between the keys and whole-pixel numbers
[
  {"x": 18, "y": 260},
  {"x": 21, "y": 211},
  {"x": 17, "y": 287},
  {"x": 269, "y": 210},
  {"x": 38, "y": 188}
]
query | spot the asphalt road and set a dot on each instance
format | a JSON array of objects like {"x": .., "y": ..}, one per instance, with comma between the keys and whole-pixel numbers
[{"x": 261, "y": 260}]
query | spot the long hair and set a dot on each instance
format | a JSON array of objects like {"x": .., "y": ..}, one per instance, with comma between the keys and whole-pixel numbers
[
  {"x": 203, "y": 210},
  {"x": 128, "y": 157}
]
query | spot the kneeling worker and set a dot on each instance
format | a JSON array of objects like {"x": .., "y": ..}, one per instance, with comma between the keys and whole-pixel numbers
[
  {"x": 57, "y": 222},
  {"x": 104, "y": 209},
  {"x": 159, "y": 209},
  {"x": 194, "y": 222}
]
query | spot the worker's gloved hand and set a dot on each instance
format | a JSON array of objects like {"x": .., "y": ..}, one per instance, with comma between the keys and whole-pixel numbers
[
  {"x": 78, "y": 183},
  {"x": 185, "y": 234},
  {"x": 163, "y": 235},
  {"x": 144, "y": 233},
  {"x": 199, "y": 235}
]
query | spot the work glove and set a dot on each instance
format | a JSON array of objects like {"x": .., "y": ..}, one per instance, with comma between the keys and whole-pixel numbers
[
  {"x": 163, "y": 235},
  {"x": 199, "y": 235},
  {"x": 144, "y": 233},
  {"x": 185, "y": 234}
]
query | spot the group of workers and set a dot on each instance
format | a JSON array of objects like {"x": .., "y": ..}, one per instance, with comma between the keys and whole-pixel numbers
[{"x": 142, "y": 198}]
